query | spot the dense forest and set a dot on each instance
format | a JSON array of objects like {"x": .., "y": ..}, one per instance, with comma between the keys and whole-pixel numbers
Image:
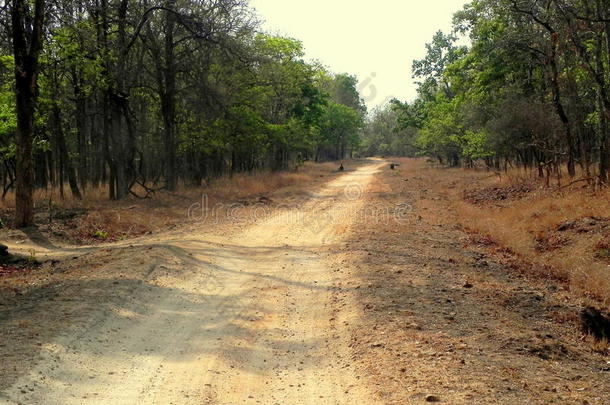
[
  {"x": 532, "y": 89},
  {"x": 140, "y": 95},
  {"x": 137, "y": 96}
]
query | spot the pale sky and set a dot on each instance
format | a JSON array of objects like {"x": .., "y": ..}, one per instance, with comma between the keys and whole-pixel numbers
[{"x": 375, "y": 40}]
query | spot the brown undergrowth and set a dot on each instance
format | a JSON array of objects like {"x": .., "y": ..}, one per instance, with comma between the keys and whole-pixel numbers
[
  {"x": 457, "y": 317},
  {"x": 95, "y": 219},
  {"x": 560, "y": 233}
]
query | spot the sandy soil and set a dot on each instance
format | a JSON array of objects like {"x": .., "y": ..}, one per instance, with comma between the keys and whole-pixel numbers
[
  {"x": 361, "y": 295},
  {"x": 204, "y": 318}
]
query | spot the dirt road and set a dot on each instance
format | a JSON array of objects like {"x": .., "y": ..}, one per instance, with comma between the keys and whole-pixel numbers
[
  {"x": 367, "y": 293},
  {"x": 252, "y": 318}
]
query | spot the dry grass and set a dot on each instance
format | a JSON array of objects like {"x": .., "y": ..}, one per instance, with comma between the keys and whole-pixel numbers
[
  {"x": 519, "y": 225},
  {"x": 241, "y": 185},
  {"x": 96, "y": 219},
  {"x": 247, "y": 185},
  {"x": 526, "y": 225}
]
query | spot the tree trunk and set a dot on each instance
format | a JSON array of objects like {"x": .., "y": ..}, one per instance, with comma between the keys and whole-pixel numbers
[
  {"x": 604, "y": 153},
  {"x": 559, "y": 105},
  {"x": 66, "y": 162},
  {"x": 122, "y": 152},
  {"x": 26, "y": 47},
  {"x": 603, "y": 140},
  {"x": 81, "y": 129},
  {"x": 168, "y": 99}
]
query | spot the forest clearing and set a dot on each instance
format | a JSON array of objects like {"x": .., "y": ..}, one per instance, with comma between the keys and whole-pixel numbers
[{"x": 267, "y": 202}]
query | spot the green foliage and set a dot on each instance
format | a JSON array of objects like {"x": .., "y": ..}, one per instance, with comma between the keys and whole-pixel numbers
[
  {"x": 8, "y": 117},
  {"x": 442, "y": 133},
  {"x": 343, "y": 89},
  {"x": 339, "y": 128},
  {"x": 100, "y": 234},
  {"x": 31, "y": 257},
  {"x": 603, "y": 253},
  {"x": 531, "y": 88},
  {"x": 476, "y": 145},
  {"x": 390, "y": 131},
  {"x": 441, "y": 52},
  {"x": 145, "y": 98}
]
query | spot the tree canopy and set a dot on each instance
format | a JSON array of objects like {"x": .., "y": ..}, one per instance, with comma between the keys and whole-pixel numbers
[
  {"x": 530, "y": 89},
  {"x": 160, "y": 93}
]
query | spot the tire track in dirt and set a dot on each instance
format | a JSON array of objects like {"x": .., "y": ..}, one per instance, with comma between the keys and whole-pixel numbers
[{"x": 247, "y": 319}]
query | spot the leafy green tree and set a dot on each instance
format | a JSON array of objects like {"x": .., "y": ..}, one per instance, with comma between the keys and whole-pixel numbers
[
  {"x": 138, "y": 95},
  {"x": 531, "y": 89},
  {"x": 389, "y": 131},
  {"x": 440, "y": 53},
  {"x": 339, "y": 131}
]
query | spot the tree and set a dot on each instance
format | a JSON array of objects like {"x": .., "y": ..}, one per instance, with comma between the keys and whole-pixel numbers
[
  {"x": 339, "y": 129},
  {"x": 532, "y": 89},
  {"x": 140, "y": 95},
  {"x": 343, "y": 89},
  {"x": 28, "y": 30},
  {"x": 440, "y": 53},
  {"x": 388, "y": 133}
]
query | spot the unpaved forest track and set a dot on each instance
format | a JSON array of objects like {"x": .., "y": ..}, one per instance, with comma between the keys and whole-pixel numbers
[
  {"x": 251, "y": 318},
  {"x": 368, "y": 293}
]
